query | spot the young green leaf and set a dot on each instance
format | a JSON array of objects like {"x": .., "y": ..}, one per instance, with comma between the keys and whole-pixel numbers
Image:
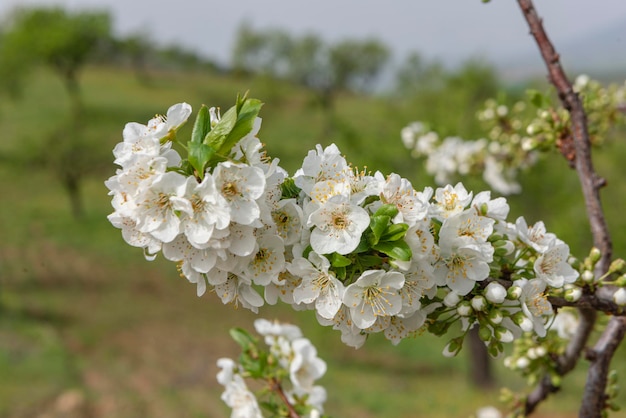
[
  {"x": 398, "y": 250},
  {"x": 199, "y": 156},
  {"x": 378, "y": 224},
  {"x": 243, "y": 338},
  {"x": 201, "y": 126},
  {"x": 387, "y": 210},
  {"x": 394, "y": 232},
  {"x": 338, "y": 260}
]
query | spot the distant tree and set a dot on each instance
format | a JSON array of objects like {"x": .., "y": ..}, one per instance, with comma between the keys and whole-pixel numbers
[
  {"x": 355, "y": 64},
  {"x": 264, "y": 52},
  {"x": 54, "y": 37},
  {"x": 62, "y": 41},
  {"x": 136, "y": 48},
  {"x": 416, "y": 75}
]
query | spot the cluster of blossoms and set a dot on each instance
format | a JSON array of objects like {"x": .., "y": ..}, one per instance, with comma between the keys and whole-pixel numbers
[
  {"x": 514, "y": 136},
  {"x": 288, "y": 366},
  {"x": 367, "y": 252}
]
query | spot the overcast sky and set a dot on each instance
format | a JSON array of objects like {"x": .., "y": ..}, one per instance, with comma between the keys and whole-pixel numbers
[{"x": 450, "y": 30}]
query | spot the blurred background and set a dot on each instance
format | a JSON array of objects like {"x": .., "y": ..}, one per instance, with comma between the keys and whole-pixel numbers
[{"x": 88, "y": 328}]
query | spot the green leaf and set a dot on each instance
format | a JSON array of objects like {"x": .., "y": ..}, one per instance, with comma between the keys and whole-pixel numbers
[
  {"x": 289, "y": 189},
  {"x": 387, "y": 210},
  {"x": 394, "y": 232},
  {"x": 245, "y": 122},
  {"x": 236, "y": 123},
  {"x": 398, "y": 250},
  {"x": 340, "y": 272},
  {"x": 378, "y": 224},
  {"x": 220, "y": 131},
  {"x": 243, "y": 338},
  {"x": 369, "y": 260},
  {"x": 535, "y": 97},
  {"x": 199, "y": 156},
  {"x": 201, "y": 126},
  {"x": 338, "y": 260}
]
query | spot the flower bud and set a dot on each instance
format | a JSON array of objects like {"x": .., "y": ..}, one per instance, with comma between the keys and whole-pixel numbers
[
  {"x": 594, "y": 255},
  {"x": 464, "y": 308},
  {"x": 503, "y": 334},
  {"x": 588, "y": 276},
  {"x": 522, "y": 363},
  {"x": 495, "y": 292},
  {"x": 529, "y": 144},
  {"x": 523, "y": 322},
  {"x": 514, "y": 293},
  {"x": 619, "y": 297},
  {"x": 621, "y": 281},
  {"x": 479, "y": 303},
  {"x": 495, "y": 317},
  {"x": 453, "y": 347},
  {"x": 451, "y": 299},
  {"x": 573, "y": 293},
  {"x": 484, "y": 333},
  {"x": 617, "y": 266}
]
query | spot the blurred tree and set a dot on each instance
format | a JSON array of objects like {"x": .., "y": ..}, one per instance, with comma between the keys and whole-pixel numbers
[
  {"x": 355, "y": 64},
  {"x": 137, "y": 48},
  {"x": 55, "y": 38},
  {"x": 63, "y": 42},
  {"x": 415, "y": 75},
  {"x": 262, "y": 52}
]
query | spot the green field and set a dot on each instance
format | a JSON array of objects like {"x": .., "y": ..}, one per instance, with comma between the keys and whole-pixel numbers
[{"x": 88, "y": 328}]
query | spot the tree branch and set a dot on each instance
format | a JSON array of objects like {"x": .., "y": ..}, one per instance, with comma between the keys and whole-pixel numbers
[{"x": 593, "y": 399}]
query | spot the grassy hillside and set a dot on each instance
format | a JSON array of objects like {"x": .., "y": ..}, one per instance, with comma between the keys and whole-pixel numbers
[{"x": 88, "y": 328}]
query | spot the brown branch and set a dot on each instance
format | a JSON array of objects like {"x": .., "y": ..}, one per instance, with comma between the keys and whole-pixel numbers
[
  {"x": 593, "y": 399},
  {"x": 275, "y": 386},
  {"x": 591, "y": 301}
]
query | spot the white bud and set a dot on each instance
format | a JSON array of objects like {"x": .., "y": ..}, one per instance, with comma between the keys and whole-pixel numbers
[
  {"x": 451, "y": 299},
  {"x": 588, "y": 276},
  {"x": 541, "y": 351},
  {"x": 514, "y": 292},
  {"x": 495, "y": 316},
  {"x": 495, "y": 292},
  {"x": 504, "y": 335},
  {"x": 523, "y": 322},
  {"x": 573, "y": 293},
  {"x": 502, "y": 110},
  {"x": 478, "y": 303},
  {"x": 522, "y": 363},
  {"x": 464, "y": 309},
  {"x": 619, "y": 296}
]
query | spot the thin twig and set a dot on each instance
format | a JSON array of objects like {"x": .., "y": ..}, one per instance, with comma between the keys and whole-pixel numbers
[
  {"x": 593, "y": 399},
  {"x": 275, "y": 386}
]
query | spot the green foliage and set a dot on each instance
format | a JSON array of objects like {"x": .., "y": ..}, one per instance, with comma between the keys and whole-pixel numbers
[{"x": 53, "y": 37}]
